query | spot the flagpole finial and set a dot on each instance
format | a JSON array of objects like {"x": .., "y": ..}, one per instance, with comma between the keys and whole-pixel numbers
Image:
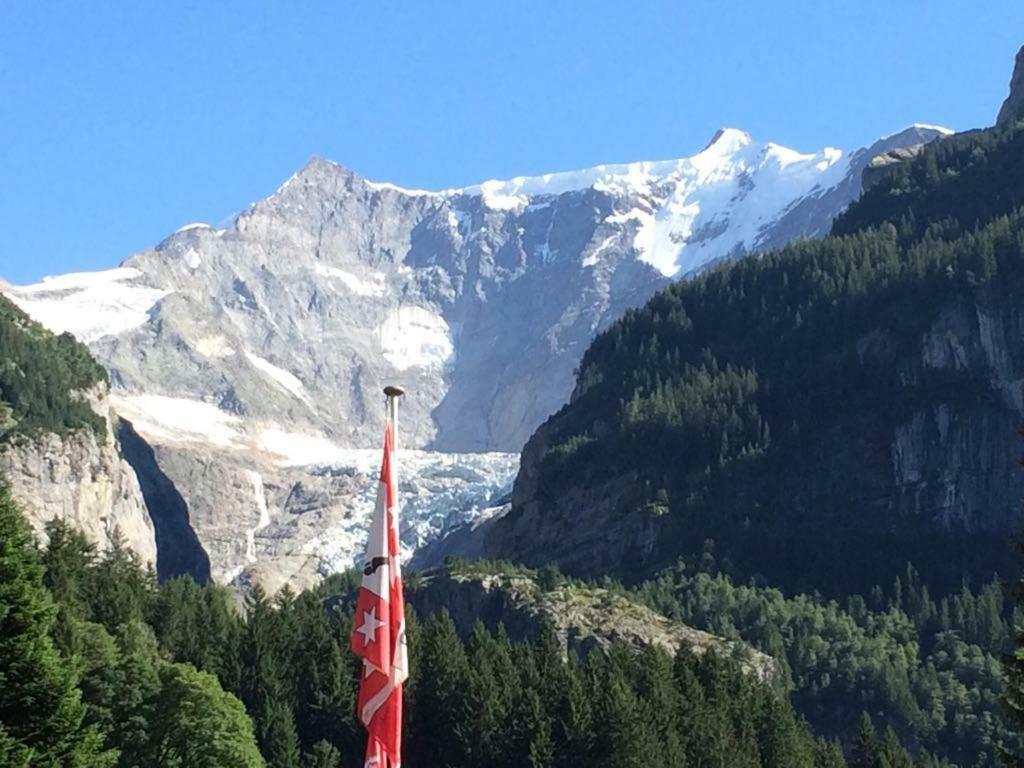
[{"x": 393, "y": 391}]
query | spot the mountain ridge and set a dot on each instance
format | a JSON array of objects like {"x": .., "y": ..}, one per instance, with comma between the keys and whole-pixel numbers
[{"x": 251, "y": 356}]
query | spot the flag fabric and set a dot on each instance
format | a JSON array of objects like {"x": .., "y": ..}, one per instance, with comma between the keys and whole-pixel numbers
[{"x": 378, "y": 634}]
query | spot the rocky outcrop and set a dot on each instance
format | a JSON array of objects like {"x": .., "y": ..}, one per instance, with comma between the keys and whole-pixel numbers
[
  {"x": 954, "y": 460},
  {"x": 880, "y": 164},
  {"x": 1013, "y": 108},
  {"x": 583, "y": 618},
  {"x": 80, "y": 477}
]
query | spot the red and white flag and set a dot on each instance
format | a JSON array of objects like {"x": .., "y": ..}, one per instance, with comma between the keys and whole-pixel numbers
[{"x": 378, "y": 634}]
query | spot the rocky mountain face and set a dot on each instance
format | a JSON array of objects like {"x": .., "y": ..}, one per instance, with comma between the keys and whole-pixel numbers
[
  {"x": 1013, "y": 108},
  {"x": 82, "y": 478},
  {"x": 251, "y": 358}
]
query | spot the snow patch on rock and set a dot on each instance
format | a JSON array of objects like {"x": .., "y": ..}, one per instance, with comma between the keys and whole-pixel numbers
[
  {"x": 372, "y": 284},
  {"x": 214, "y": 347},
  {"x": 283, "y": 379},
  {"x": 179, "y": 419},
  {"x": 89, "y": 305}
]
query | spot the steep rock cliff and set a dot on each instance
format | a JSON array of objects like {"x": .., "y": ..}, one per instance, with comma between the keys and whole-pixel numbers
[
  {"x": 80, "y": 477},
  {"x": 1013, "y": 107}
]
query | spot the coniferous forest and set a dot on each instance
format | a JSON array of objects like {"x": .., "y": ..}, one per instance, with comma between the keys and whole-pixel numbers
[
  {"x": 104, "y": 667},
  {"x": 43, "y": 378},
  {"x": 125, "y": 661}
]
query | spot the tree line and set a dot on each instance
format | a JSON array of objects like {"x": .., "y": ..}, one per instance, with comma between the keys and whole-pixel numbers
[
  {"x": 102, "y": 666},
  {"x": 43, "y": 377}
]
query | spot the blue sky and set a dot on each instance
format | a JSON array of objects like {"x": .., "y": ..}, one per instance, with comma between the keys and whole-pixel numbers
[{"x": 120, "y": 122}]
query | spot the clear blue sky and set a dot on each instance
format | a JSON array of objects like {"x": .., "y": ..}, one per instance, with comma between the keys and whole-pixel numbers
[{"x": 121, "y": 121}]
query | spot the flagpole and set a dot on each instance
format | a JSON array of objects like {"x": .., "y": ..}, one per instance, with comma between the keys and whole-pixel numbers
[{"x": 392, "y": 393}]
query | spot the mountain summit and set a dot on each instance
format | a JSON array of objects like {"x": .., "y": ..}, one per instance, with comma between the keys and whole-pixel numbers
[
  {"x": 1013, "y": 107},
  {"x": 252, "y": 356}
]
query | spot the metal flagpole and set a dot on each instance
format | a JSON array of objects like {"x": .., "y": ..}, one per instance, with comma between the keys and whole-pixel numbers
[{"x": 392, "y": 393}]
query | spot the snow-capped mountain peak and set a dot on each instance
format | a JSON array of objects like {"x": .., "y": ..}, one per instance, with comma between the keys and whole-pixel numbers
[{"x": 271, "y": 337}]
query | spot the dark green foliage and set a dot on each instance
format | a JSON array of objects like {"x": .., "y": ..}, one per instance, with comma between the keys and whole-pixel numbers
[
  {"x": 42, "y": 718},
  {"x": 968, "y": 178},
  {"x": 324, "y": 755},
  {"x": 83, "y": 683},
  {"x": 929, "y": 667},
  {"x": 1012, "y": 755},
  {"x": 756, "y": 406},
  {"x": 40, "y": 377},
  {"x": 491, "y": 703}
]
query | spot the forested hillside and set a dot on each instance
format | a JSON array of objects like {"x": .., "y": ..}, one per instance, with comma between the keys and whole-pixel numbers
[
  {"x": 143, "y": 675},
  {"x": 42, "y": 378},
  {"x": 821, "y": 415}
]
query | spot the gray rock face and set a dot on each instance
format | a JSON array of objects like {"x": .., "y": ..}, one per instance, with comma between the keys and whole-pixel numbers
[
  {"x": 80, "y": 478},
  {"x": 954, "y": 462},
  {"x": 1013, "y": 108},
  {"x": 252, "y": 357}
]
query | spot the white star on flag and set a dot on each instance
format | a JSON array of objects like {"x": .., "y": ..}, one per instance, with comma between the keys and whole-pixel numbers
[{"x": 370, "y": 626}]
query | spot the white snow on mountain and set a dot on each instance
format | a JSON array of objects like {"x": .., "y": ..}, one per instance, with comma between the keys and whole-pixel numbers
[
  {"x": 179, "y": 420},
  {"x": 286, "y": 380},
  {"x": 297, "y": 449},
  {"x": 696, "y": 210},
  {"x": 89, "y": 305},
  {"x": 193, "y": 225},
  {"x": 370, "y": 284}
]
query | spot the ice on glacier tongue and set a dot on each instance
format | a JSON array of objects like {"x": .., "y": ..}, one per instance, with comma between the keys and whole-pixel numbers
[{"x": 437, "y": 492}]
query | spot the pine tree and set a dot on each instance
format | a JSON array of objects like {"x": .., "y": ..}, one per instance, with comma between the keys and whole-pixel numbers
[
  {"x": 574, "y": 719},
  {"x": 41, "y": 712},
  {"x": 197, "y": 724},
  {"x": 67, "y": 559},
  {"x": 828, "y": 754},
  {"x": 1013, "y": 681},
  {"x": 323, "y": 755},
  {"x": 442, "y": 679},
  {"x": 865, "y": 750},
  {"x": 325, "y": 705},
  {"x": 137, "y": 680},
  {"x": 121, "y": 589},
  {"x": 279, "y": 742},
  {"x": 891, "y": 752},
  {"x": 782, "y": 743}
]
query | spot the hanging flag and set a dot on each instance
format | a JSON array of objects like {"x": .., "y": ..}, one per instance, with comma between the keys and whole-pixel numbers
[{"x": 378, "y": 634}]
